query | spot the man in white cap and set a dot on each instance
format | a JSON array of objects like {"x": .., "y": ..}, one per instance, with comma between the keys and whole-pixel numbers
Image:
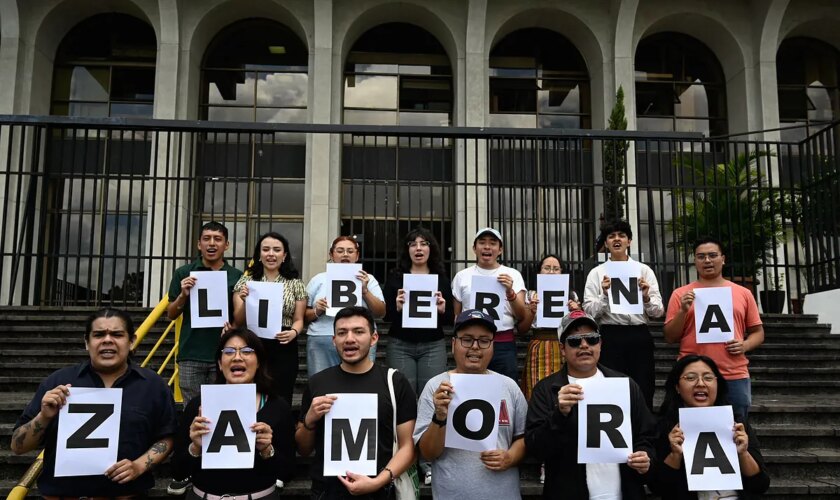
[
  {"x": 551, "y": 430},
  {"x": 488, "y": 247}
]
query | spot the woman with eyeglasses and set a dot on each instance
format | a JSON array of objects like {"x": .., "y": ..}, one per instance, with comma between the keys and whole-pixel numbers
[
  {"x": 418, "y": 353},
  {"x": 543, "y": 355},
  {"x": 320, "y": 351},
  {"x": 242, "y": 359},
  {"x": 695, "y": 382},
  {"x": 272, "y": 262}
]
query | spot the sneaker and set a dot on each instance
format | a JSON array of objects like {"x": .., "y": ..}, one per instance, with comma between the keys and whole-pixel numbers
[
  {"x": 542, "y": 473},
  {"x": 280, "y": 484},
  {"x": 428, "y": 479},
  {"x": 178, "y": 487}
]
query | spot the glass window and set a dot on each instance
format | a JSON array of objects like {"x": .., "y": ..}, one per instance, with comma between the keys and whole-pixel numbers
[{"x": 807, "y": 73}]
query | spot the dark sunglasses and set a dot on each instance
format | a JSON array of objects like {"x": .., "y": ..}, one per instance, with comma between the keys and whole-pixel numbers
[{"x": 591, "y": 339}]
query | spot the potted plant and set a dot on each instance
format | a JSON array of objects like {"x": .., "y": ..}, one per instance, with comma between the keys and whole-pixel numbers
[
  {"x": 773, "y": 298},
  {"x": 733, "y": 202}
]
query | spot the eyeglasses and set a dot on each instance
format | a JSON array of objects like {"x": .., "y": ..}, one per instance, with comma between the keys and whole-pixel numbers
[
  {"x": 468, "y": 342},
  {"x": 552, "y": 269},
  {"x": 243, "y": 351},
  {"x": 415, "y": 244},
  {"x": 345, "y": 251},
  {"x": 590, "y": 338},
  {"x": 692, "y": 378},
  {"x": 703, "y": 256}
]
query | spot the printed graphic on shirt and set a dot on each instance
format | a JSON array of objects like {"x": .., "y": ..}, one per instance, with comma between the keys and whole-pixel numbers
[{"x": 504, "y": 419}]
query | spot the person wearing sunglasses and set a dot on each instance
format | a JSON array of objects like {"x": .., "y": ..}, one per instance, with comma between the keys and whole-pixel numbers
[
  {"x": 459, "y": 473},
  {"x": 551, "y": 432},
  {"x": 242, "y": 359},
  {"x": 695, "y": 382}
]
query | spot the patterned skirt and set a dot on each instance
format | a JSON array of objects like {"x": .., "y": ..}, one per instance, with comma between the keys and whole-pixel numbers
[{"x": 543, "y": 359}]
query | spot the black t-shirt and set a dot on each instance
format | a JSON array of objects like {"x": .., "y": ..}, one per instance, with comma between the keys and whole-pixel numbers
[
  {"x": 392, "y": 286},
  {"x": 277, "y": 414},
  {"x": 375, "y": 381}
]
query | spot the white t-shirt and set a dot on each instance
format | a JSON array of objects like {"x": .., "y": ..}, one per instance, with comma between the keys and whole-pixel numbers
[
  {"x": 462, "y": 290},
  {"x": 602, "y": 480}
]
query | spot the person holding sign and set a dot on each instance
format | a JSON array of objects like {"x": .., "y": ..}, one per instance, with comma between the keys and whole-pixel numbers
[
  {"x": 460, "y": 473},
  {"x": 488, "y": 247},
  {"x": 272, "y": 263},
  {"x": 551, "y": 430},
  {"x": 696, "y": 382},
  {"x": 320, "y": 351},
  {"x": 628, "y": 345},
  {"x": 544, "y": 356},
  {"x": 748, "y": 331},
  {"x": 355, "y": 333},
  {"x": 146, "y": 422},
  {"x": 242, "y": 359}
]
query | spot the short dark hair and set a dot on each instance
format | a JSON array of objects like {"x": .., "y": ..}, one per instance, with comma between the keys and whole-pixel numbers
[
  {"x": 349, "y": 312},
  {"x": 107, "y": 312},
  {"x": 214, "y": 226},
  {"x": 287, "y": 268},
  {"x": 262, "y": 378},
  {"x": 673, "y": 402},
  {"x": 708, "y": 239},
  {"x": 617, "y": 225}
]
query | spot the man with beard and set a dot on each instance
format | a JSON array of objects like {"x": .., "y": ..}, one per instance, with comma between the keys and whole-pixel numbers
[
  {"x": 463, "y": 474},
  {"x": 354, "y": 335},
  {"x": 730, "y": 357},
  {"x": 551, "y": 430}
]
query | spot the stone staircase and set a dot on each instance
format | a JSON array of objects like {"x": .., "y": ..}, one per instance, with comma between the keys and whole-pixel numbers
[{"x": 795, "y": 380}]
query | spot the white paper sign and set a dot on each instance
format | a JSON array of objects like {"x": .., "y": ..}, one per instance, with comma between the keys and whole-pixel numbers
[
  {"x": 624, "y": 294},
  {"x": 264, "y": 308},
  {"x": 232, "y": 410},
  {"x": 342, "y": 287},
  {"x": 553, "y": 293},
  {"x": 605, "y": 435},
  {"x": 209, "y": 299},
  {"x": 88, "y": 432},
  {"x": 473, "y": 418},
  {"x": 713, "y": 317},
  {"x": 350, "y": 435},
  {"x": 713, "y": 465},
  {"x": 420, "y": 307},
  {"x": 488, "y": 295}
]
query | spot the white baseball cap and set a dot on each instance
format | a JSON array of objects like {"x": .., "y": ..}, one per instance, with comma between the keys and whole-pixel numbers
[{"x": 488, "y": 230}]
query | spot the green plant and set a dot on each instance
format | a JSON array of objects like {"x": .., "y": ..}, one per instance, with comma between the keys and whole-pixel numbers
[
  {"x": 732, "y": 202},
  {"x": 615, "y": 162}
]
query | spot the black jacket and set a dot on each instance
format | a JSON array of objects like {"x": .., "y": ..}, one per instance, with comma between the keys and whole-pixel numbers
[
  {"x": 673, "y": 483},
  {"x": 552, "y": 437}
]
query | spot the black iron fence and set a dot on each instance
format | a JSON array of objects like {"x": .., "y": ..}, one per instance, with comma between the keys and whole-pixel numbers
[{"x": 99, "y": 211}]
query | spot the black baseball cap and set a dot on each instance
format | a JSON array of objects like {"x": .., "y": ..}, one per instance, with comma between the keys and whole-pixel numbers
[{"x": 475, "y": 316}]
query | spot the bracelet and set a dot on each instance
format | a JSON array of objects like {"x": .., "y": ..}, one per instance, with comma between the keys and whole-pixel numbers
[
  {"x": 511, "y": 297},
  {"x": 311, "y": 429},
  {"x": 390, "y": 473},
  {"x": 190, "y": 451},
  {"x": 295, "y": 330}
]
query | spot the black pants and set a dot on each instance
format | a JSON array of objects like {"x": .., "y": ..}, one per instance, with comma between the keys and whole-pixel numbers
[
  {"x": 283, "y": 366},
  {"x": 332, "y": 489},
  {"x": 629, "y": 350}
]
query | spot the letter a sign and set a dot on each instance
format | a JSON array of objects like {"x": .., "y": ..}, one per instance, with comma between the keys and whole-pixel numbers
[
  {"x": 88, "y": 432},
  {"x": 713, "y": 317},
  {"x": 350, "y": 430}
]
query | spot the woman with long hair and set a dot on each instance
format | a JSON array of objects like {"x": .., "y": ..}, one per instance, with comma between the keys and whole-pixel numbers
[
  {"x": 695, "y": 382},
  {"x": 272, "y": 262},
  {"x": 320, "y": 351},
  {"x": 242, "y": 359}
]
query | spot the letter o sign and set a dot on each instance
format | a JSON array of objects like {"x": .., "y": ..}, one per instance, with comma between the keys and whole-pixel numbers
[{"x": 488, "y": 418}]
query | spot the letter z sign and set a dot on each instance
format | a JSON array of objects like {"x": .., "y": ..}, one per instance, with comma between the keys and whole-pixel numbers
[{"x": 88, "y": 432}]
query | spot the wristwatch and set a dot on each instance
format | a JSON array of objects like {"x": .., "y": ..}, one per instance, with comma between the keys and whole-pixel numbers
[
  {"x": 270, "y": 453},
  {"x": 435, "y": 420}
]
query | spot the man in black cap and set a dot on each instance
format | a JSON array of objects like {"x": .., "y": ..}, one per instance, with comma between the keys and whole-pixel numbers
[
  {"x": 459, "y": 473},
  {"x": 551, "y": 431}
]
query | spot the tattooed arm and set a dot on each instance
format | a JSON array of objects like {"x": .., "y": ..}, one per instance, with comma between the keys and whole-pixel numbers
[
  {"x": 30, "y": 435},
  {"x": 128, "y": 470}
]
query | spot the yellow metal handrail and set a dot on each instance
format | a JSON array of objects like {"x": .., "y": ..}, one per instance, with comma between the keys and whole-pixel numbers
[{"x": 28, "y": 479}]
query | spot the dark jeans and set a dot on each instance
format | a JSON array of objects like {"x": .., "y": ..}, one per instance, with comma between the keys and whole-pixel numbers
[
  {"x": 629, "y": 350},
  {"x": 504, "y": 359}
]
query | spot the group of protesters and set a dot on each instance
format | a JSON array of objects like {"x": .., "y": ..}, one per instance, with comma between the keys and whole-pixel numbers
[{"x": 540, "y": 407}]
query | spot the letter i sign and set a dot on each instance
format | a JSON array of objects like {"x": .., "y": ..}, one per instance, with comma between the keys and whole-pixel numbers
[{"x": 504, "y": 419}]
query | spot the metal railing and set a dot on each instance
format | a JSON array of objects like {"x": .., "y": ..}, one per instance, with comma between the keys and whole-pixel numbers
[{"x": 101, "y": 211}]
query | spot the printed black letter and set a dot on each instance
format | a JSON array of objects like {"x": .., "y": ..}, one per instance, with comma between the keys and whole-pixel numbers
[
  {"x": 219, "y": 438},
  {"x": 202, "y": 305},
  {"x": 594, "y": 426},
  {"x": 553, "y": 303},
  {"x": 718, "y": 459},
  {"x": 714, "y": 318},
  {"x": 79, "y": 439},
  {"x": 488, "y": 302},
  {"x": 631, "y": 294},
  {"x": 341, "y": 432},
  {"x": 343, "y": 293},
  {"x": 418, "y": 299},
  {"x": 488, "y": 419}
]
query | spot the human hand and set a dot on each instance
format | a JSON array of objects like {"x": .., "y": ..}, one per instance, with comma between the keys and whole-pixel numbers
[
  {"x": 54, "y": 400},
  {"x": 442, "y": 398},
  {"x": 639, "y": 461},
  {"x": 496, "y": 460},
  {"x": 568, "y": 396}
]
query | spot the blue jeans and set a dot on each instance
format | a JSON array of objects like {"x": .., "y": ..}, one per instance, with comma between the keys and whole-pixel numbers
[
  {"x": 418, "y": 361},
  {"x": 321, "y": 353},
  {"x": 504, "y": 360},
  {"x": 740, "y": 396}
]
